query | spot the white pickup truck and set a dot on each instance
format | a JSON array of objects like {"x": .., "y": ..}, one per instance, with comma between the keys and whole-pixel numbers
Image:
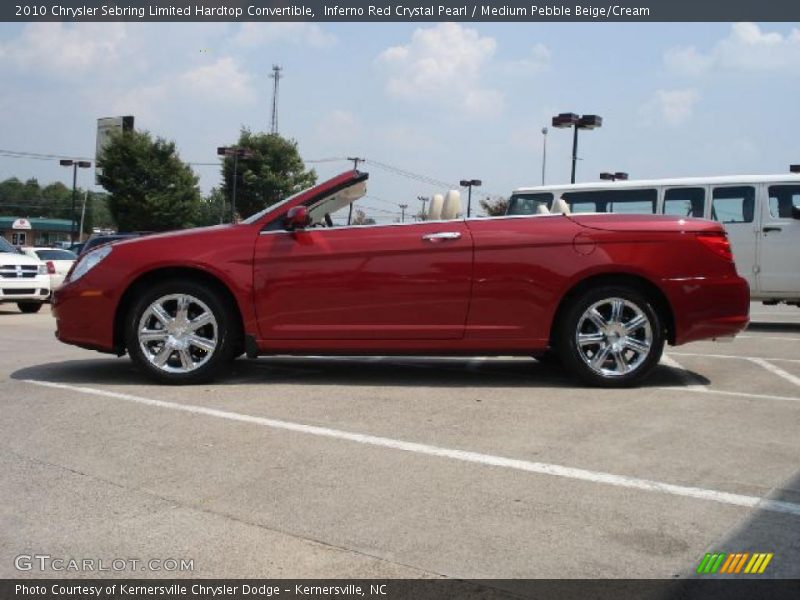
[
  {"x": 761, "y": 214},
  {"x": 23, "y": 279}
]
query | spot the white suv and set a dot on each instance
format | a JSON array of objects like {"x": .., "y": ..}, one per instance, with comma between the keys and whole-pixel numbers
[{"x": 23, "y": 279}]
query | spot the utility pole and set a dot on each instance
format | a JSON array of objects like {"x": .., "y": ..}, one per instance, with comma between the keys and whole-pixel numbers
[
  {"x": 403, "y": 208},
  {"x": 83, "y": 214},
  {"x": 356, "y": 161},
  {"x": 276, "y": 77},
  {"x": 424, "y": 200}
]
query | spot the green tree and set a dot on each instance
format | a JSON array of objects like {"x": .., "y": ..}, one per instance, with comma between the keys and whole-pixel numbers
[
  {"x": 274, "y": 172},
  {"x": 494, "y": 207},
  {"x": 213, "y": 209},
  {"x": 150, "y": 188}
]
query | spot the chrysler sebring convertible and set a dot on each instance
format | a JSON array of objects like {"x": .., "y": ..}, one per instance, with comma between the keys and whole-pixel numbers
[{"x": 601, "y": 292}]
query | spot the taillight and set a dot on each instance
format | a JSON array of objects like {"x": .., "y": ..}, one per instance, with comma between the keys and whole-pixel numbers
[
  {"x": 51, "y": 268},
  {"x": 717, "y": 242}
]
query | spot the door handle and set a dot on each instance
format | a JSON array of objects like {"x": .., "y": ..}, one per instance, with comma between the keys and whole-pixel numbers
[
  {"x": 768, "y": 229},
  {"x": 441, "y": 235}
]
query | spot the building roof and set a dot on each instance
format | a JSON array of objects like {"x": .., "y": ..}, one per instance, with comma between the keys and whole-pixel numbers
[{"x": 39, "y": 224}]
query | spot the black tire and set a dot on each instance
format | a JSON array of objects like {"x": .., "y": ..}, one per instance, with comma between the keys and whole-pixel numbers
[
  {"x": 29, "y": 307},
  {"x": 587, "y": 360},
  {"x": 225, "y": 332}
]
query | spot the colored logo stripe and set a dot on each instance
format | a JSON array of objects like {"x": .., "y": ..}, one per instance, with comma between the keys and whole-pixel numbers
[{"x": 734, "y": 563}]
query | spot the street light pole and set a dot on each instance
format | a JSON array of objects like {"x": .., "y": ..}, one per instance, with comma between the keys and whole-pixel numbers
[
  {"x": 566, "y": 120},
  {"x": 544, "y": 153},
  {"x": 403, "y": 208},
  {"x": 83, "y": 164},
  {"x": 469, "y": 183},
  {"x": 236, "y": 152}
]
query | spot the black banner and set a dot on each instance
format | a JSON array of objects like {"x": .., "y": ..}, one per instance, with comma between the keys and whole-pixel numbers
[
  {"x": 393, "y": 589},
  {"x": 400, "y": 10}
]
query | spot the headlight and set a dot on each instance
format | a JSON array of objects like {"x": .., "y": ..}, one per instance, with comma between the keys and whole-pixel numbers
[
  {"x": 42, "y": 269},
  {"x": 89, "y": 261}
]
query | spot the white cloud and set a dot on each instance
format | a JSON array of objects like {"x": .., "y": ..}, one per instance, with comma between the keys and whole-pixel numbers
[
  {"x": 340, "y": 127},
  {"x": 673, "y": 106},
  {"x": 746, "y": 48},
  {"x": 223, "y": 79},
  {"x": 222, "y": 82},
  {"x": 57, "y": 48},
  {"x": 538, "y": 60},
  {"x": 444, "y": 65},
  {"x": 304, "y": 34}
]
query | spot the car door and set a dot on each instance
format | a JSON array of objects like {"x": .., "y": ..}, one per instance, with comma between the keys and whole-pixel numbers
[
  {"x": 735, "y": 207},
  {"x": 779, "y": 237},
  {"x": 377, "y": 282}
]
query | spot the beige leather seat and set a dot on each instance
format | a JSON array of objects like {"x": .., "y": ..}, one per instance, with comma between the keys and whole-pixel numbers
[
  {"x": 542, "y": 210},
  {"x": 560, "y": 207},
  {"x": 435, "y": 208},
  {"x": 451, "y": 209}
]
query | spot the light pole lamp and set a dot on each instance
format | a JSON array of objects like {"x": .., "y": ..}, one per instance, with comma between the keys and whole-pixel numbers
[
  {"x": 403, "y": 208},
  {"x": 567, "y": 120},
  {"x": 75, "y": 164},
  {"x": 617, "y": 176},
  {"x": 469, "y": 184},
  {"x": 236, "y": 152}
]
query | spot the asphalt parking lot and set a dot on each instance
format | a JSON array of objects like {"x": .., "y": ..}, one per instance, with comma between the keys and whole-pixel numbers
[{"x": 402, "y": 467}]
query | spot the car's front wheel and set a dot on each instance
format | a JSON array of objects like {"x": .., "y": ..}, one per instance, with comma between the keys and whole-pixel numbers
[
  {"x": 181, "y": 332},
  {"x": 29, "y": 307},
  {"x": 611, "y": 336}
]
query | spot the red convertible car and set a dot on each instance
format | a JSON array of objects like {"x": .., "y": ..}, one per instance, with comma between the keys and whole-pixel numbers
[{"x": 602, "y": 292}]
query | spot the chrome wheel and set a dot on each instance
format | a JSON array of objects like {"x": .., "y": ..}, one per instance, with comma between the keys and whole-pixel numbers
[
  {"x": 177, "y": 333},
  {"x": 614, "y": 337}
]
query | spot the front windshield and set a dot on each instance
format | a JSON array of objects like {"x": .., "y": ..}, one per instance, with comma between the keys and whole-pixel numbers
[
  {"x": 5, "y": 246},
  {"x": 252, "y": 219}
]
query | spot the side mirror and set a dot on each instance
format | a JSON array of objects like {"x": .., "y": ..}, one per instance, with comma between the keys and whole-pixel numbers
[
  {"x": 297, "y": 218},
  {"x": 796, "y": 212}
]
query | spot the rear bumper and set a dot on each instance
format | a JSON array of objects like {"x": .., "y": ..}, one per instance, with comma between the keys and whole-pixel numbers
[{"x": 708, "y": 308}]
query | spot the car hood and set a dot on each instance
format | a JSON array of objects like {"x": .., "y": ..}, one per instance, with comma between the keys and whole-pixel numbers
[{"x": 12, "y": 258}]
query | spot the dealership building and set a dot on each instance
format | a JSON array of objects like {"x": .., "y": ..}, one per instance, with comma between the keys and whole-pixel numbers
[{"x": 36, "y": 231}]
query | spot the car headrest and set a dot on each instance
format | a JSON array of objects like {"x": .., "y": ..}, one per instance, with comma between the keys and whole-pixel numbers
[
  {"x": 560, "y": 207},
  {"x": 542, "y": 210},
  {"x": 435, "y": 208},
  {"x": 451, "y": 209}
]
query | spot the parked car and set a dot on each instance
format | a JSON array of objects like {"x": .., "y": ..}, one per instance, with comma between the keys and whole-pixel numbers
[
  {"x": 57, "y": 261},
  {"x": 105, "y": 238},
  {"x": 23, "y": 279},
  {"x": 760, "y": 213},
  {"x": 606, "y": 292}
]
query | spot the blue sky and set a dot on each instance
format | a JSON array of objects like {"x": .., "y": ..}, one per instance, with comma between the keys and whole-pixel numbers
[{"x": 446, "y": 100}]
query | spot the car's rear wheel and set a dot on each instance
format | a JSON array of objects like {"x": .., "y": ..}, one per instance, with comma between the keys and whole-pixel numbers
[
  {"x": 29, "y": 307},
  {"x": 181, "y": 332},
  {"x": 611, "y": 336}
]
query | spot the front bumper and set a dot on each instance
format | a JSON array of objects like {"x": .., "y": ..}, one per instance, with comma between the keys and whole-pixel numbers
[
  {"x": 84, "y": 316},
  {"x": 25, "y": 289}
]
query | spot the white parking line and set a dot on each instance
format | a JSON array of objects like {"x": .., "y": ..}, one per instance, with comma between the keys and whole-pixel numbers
[
  {"x": 460, "y": 455},
  {"x": 708, "y": 390},
  {"x": 689, "y": 379},
  {"x": 776, "y": 370},
  {"x": 768, "y": 337},
  {"x": 761, "y": 362},
  {"x": 771, "y": 358}
]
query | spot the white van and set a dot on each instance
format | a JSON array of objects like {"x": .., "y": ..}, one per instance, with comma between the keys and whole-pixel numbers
[{"x": 761, "y": 214}]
